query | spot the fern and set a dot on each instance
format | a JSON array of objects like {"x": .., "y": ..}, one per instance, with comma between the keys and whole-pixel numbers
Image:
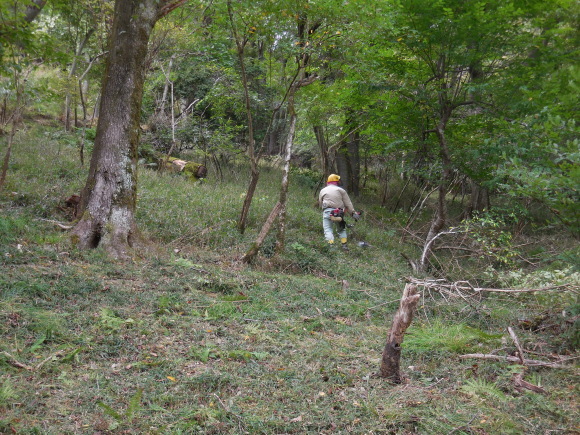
[
  {"x": 483, "y": 389},
  {"x": 126, "y": 417},
  {"x": 7, "y": 392}
]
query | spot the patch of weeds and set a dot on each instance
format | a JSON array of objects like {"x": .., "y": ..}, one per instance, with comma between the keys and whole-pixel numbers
[
  {"x": 7, "y": 392},
  {"x": 304, "y": 258},
  {"x": 210, "y": 352},
  {"x": 123, "y": 418},
  {"x": 110, "y": 321},
  {"x": 440, "y": 337},
  {"x": 204, "y": 417},
  {"x": 169, "y": 304},
  {"x": 211, "y": 381},
  {"x": 225, "y": 310},
  {"x": 483, "y": 390},
  {"x": 23, "y": 322}
]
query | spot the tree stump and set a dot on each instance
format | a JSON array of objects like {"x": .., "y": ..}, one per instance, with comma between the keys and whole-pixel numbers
[{"x": 403, "y": 317}]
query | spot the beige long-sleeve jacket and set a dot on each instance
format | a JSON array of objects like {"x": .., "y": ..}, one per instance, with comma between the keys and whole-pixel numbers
[{"x": 335, "y": 197}]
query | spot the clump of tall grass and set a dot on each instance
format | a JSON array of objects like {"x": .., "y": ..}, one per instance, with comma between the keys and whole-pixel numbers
[{"x": 438, "y": 336}]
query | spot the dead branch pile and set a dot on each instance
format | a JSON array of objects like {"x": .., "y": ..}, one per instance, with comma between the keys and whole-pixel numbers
[{"x": 464, "y": 289}]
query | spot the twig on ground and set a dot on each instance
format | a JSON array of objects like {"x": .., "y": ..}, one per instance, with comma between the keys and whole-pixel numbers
[
  {"x": 517, "y": 343},
  {"x": 528, "y": 362},
  {"x": 50, "y": 358},
  {"x": 58, "y": 224},
  {"x": 15, "y": 363}
]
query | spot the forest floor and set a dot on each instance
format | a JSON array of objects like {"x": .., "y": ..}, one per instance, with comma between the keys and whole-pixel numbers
[{"x": 184, "y": 338}]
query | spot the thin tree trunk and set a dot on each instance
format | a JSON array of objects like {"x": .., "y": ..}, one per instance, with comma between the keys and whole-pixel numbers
[
  {"x": 323, "y": 146},
  {"x": 254, "y": 158},
  {"x": 16, "y": 114},
  {"x": 166, "y": 87},
  {"x": 6, "y": 160},
  {"x": 280, "y": 239},
  {"x": 390, "y": 361},
  {"x": 440, "y": 219},
  {"x": 72, "y": 72}
]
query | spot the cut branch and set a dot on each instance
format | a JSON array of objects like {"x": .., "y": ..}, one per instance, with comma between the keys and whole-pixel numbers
[
  {"x": 515, "y": 359},
  {"x": 403, "y": 317},
  {"x": 518, "y": 345}
]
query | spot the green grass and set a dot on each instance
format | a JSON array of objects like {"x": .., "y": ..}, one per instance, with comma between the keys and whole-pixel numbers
[{"x": 187, "y": 339}]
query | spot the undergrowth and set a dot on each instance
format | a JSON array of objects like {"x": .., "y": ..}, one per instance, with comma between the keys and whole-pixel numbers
[{"x": 186, "y": 339}]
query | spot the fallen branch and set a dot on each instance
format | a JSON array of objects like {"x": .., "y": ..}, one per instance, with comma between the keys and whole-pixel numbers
[
  {"x": 518, "y": 345},
  {"x": 515, "y": 359},
  {"x": 50, "y": 358},
  {"x": 14, "y": 362},
  {"x": 518, "y": 377},
  {"x": 520, "y": 384},
  {"x": 58, "y": 224},
  {"x": 466, "y": 286}
]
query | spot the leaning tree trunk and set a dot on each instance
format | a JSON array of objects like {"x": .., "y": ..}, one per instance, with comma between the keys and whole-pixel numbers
[{"x": 109, "y": 197}]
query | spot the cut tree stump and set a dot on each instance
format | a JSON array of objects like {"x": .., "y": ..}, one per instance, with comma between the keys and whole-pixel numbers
[{"x": 403, "y": 317}]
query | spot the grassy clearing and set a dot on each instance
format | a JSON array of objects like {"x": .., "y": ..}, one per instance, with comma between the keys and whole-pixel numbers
[{"x": 185, "y": 339}]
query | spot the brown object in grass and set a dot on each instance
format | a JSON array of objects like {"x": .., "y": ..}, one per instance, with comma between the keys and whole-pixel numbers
[{"x": 403, "y": 317}]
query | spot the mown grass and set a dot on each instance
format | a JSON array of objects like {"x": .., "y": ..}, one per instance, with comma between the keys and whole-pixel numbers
[{"x": 186, "y": 339}]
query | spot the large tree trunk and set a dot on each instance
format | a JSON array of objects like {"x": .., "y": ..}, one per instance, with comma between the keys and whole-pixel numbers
[{"x": 109, "y": 197}]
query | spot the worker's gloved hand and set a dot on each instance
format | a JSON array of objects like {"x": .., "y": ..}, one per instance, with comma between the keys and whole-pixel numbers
[{"x": 356, "y": 215}]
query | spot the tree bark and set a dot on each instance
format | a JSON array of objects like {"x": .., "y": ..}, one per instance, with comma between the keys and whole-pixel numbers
[
  {"x": 403, "y": 317},
  {"x": 33, "y": 10},
  {"x": 323, "y": 146},
  {"x": 108, "y": 199},
  {"x": 280, "y": 239},
  {"x": 6, "y": 161}
]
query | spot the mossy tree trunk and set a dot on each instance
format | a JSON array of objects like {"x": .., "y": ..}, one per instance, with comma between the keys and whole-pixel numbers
[{"x": 108, "y": 200}]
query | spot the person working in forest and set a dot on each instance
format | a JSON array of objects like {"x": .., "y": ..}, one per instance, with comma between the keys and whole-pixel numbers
[{"x": 335, "y": 204}]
